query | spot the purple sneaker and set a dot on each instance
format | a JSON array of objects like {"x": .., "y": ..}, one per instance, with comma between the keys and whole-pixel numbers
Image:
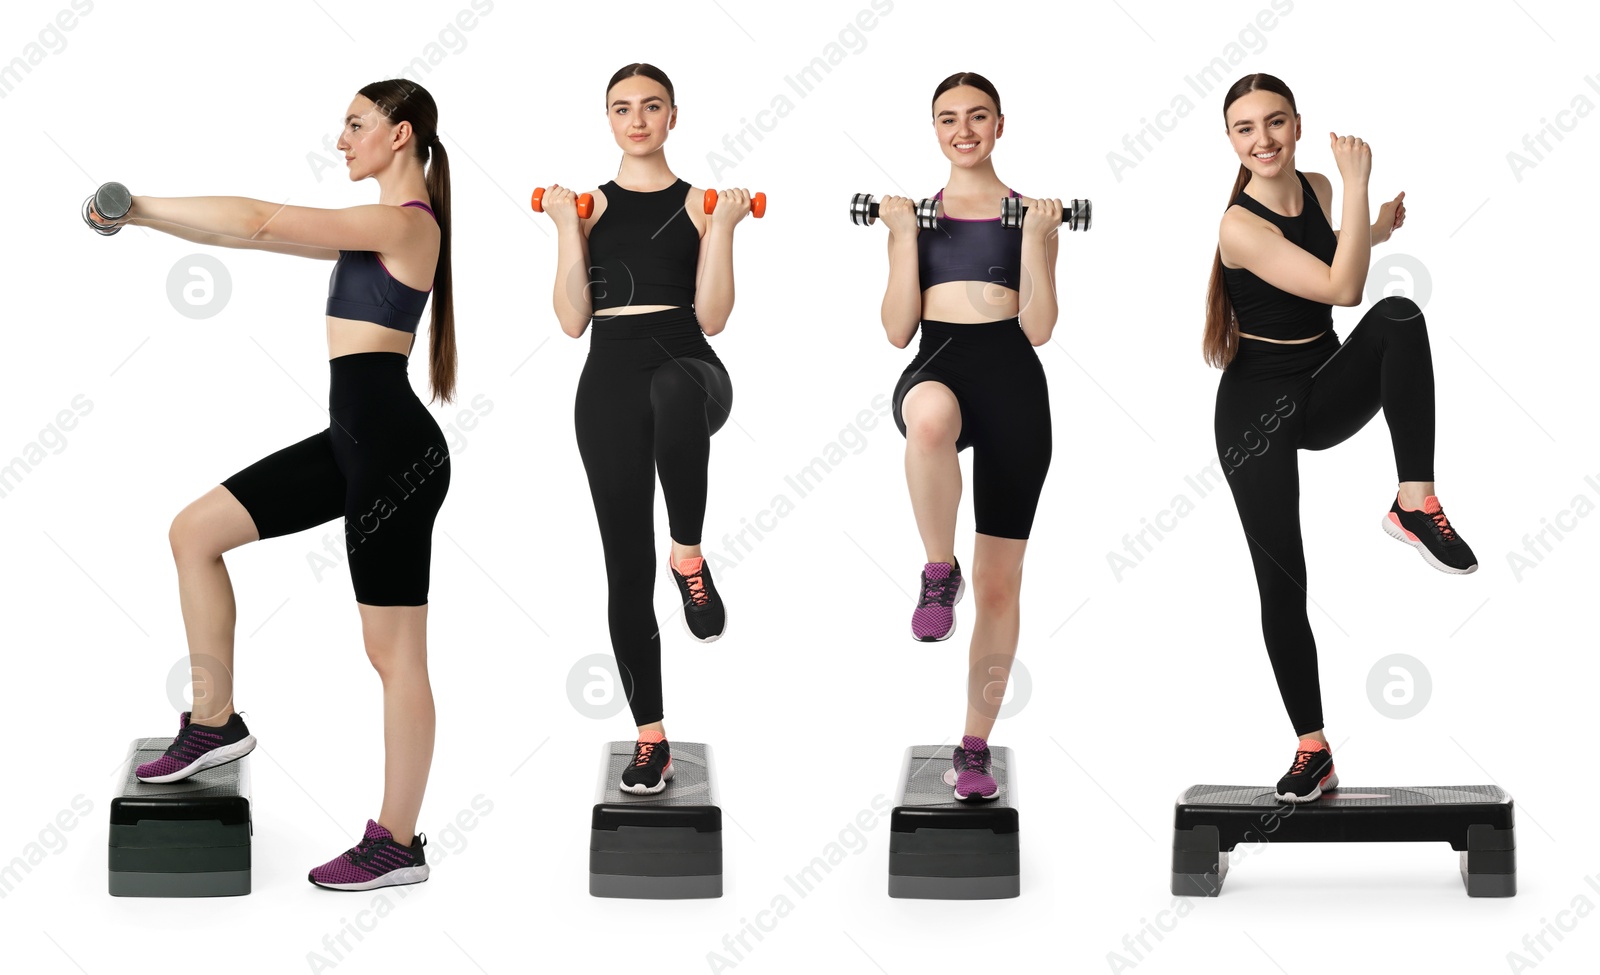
[
  {"x": 377, "y": 861},
  {"x": 969, "y": 770},
  {"x": 934, "y": 618},
  {"x": 198, "y": 747}
]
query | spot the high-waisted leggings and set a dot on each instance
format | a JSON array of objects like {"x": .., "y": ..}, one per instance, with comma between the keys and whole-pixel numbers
[
  {"x": 382, "y": 463},
  {"x": 651, "y": 395},
  {"x": 1000, "y": 387},
  {"x": 1276, "y": 399}
]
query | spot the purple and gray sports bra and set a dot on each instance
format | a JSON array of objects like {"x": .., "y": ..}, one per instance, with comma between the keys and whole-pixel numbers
[
  {"x": 969, "y": 250},
  {"x": 363, "y": 289}
]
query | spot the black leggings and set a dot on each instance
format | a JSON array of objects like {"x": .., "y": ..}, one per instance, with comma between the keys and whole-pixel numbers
[
  {"x": 651, "y": 395},
  {"x": 1000, "y": 388},
  {"x": 382, "y": 464},
  {"x": 1275, "y": 399}
]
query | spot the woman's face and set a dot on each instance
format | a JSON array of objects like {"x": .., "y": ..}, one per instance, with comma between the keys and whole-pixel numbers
[
  {"x": 368, "y": 140},
  {"x": 1264, "y": 128},
  {"x": 967, "y": 125},
  {"x": 640, "y": 113}
]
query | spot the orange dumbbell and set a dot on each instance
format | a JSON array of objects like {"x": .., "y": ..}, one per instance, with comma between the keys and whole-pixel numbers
[
  {"x": 758, "y": 203},
  {"x": 585, "y": 202}
]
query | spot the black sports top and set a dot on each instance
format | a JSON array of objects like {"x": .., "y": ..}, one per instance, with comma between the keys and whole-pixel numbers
[
  {"x": 969, "y": 250},
  {"x": 643, "y": 250},
  {"x": 1271, "y": 312},
  {"x": 363, "y": 289}
]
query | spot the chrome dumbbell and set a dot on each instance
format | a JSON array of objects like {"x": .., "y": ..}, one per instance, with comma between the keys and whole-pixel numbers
[
  {"x": 111, "y": 201},
  {"x": 1075, "y": 214},
  {"x": 864, "y": 211}
]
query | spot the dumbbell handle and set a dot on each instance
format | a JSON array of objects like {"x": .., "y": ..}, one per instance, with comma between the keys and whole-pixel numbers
[
  {"x": 864, "y": 211},
  {"x": 585, "y": 202},
  {"x": 1076, "y": 214},
  {"x": 758, "y": 203}
]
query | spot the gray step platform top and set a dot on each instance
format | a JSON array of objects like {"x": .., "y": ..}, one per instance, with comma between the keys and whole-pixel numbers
[
  {"x": 222, "y": 792},
  {"x": 924, "y": 800},
  {"x": 1347, "y": 795},
  {"x": 690, "y": 798},
  {"x": 922, "y": 781}
]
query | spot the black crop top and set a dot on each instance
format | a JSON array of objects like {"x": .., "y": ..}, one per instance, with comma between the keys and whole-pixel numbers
[
  {"x": 363, "y": 289},
  {"x": 644, "y": 249},
  {"x": 1271, "y": 312},
  {"x": 969, "y": 250}
]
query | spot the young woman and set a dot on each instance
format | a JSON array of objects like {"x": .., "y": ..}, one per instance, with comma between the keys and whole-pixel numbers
[
  {"x": 1289, "y": 384},
  {"x": 382, "y": 463},
  {"x": 654, "y": 274},
  {"x": 983, "y": 296}
]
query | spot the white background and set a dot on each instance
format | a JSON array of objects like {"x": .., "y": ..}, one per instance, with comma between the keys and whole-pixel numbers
[{"x": 1158, "y": 680}]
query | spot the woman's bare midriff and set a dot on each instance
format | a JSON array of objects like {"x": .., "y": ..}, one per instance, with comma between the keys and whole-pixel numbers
[
  {"x": 632, "y": 310},
  {"x": 969, "y": 303},
  {"x": 1247, "y": 335},
  {"x": 347, "y": 336}
]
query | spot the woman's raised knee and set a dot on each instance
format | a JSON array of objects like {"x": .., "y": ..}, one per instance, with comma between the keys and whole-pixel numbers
[
  {"x": 933, "y": 418},
  {"x": 1399, "y": 308}
]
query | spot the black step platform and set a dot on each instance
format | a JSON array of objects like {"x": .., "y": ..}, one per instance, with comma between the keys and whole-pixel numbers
[
  {"x": 189, "y": 838},
  {"x": 668, "y": 845},
  {"x": 1475, "y": 819},
  {"x": 943, "y": 848}
]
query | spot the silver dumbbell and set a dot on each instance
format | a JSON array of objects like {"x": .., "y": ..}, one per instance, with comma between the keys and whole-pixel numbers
[
  {"x": 1075, "y": 214},
  {"x": 864, "y": 211},
  {"x": 111, "y": 201}
]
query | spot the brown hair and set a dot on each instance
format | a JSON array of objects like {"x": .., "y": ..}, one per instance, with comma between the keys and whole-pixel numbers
[
  {"x": 406, "y": 101},
  {"x": 1221, "y": 341},
  {"x": 646, "y": 70},
  {"x": 971, "y": 79}
]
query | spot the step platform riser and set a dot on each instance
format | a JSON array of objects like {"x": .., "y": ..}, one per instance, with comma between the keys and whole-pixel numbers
[
  {"x": 941, "y": 848},
  {"x": 1478, "y": 820},
  {"x": 665, "y": 846},
  {"x": 189, "y": 838}
]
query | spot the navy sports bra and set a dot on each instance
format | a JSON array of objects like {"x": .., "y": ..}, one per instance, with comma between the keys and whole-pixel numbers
[
  {"x": 644, "y": 249},
  {"x": 1271, "y": 312},
  {"x": 969, "y": 250},
  {"x": 363, "y": 289}
]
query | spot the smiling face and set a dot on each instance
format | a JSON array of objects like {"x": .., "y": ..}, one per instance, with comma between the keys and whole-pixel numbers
[
  {"x": 1263, "y": 127},
  {"x": 641, "y": 112},
  {"x": 967, "y": 125},
  {"x": 368, "y": 140}
]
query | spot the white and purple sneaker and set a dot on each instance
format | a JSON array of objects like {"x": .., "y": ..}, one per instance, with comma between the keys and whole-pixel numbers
[
  {"x": 197, "y": 748},
  {"x": 934, "y": 619},
  {"x": 969, "y": 770},
  {"x": 377, "y": 861}
]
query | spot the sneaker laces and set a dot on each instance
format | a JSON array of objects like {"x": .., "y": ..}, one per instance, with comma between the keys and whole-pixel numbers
[
  {"x": 697, "y": 588},
  {"x": 973, "y": 761},
  {"x": 940, "y": 592},
  {"x": 1442, "y": 525},
  {"x": 642, "y": 752},
  {"x": 362, "y": 850},
  {"x": 1302, "y": 761},
  {"x": 181, "y": 739}
]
